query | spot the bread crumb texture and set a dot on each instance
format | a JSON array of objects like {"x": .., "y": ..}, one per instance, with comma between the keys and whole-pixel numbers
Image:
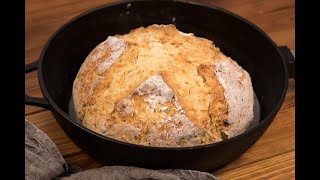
[{"x": 158, "y": 86}]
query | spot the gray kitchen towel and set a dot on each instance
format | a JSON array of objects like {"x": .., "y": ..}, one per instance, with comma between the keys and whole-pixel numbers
[{"x": 44, "y": 161}]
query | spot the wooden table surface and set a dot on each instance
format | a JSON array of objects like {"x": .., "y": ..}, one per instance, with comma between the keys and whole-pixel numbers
[{"x": 272, "y": 157}]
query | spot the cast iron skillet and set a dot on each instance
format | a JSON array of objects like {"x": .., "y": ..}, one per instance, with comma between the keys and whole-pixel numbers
[{"x": 241, "y": 40}]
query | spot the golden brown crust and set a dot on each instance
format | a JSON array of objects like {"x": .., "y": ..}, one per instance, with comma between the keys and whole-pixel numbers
[
  {"x": 122, "y": 89},
  {"x": 218, "y": 107}
]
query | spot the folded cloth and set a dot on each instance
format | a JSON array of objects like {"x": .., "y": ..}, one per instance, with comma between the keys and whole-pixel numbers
[{"x": 44, "y": 161}]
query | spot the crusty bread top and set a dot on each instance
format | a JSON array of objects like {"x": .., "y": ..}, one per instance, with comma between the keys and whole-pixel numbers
[{"x": 158, "y": 86}]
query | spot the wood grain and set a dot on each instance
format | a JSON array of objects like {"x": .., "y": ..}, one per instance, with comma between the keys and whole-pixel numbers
[{"x": 272, "y": 157}]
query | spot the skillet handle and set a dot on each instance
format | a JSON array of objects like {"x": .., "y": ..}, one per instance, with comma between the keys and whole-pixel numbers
[
  {"x": 34, "y": 101},
  {"x": 290, "y": 58}
]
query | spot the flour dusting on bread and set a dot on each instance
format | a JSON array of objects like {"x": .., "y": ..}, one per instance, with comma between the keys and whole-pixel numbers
[
  {"x": 117, "y": 47},
  {"x": 178, "y": 128},
  {"x": 238, "y": 93},
  {"x": 157, "y": 91}
]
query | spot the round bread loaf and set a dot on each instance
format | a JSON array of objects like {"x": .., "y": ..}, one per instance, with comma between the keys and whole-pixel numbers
[{"x": 158, "y": 86}]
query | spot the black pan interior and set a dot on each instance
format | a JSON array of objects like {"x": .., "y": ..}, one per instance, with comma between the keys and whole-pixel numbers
[{"x": 67, "y": 49}]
